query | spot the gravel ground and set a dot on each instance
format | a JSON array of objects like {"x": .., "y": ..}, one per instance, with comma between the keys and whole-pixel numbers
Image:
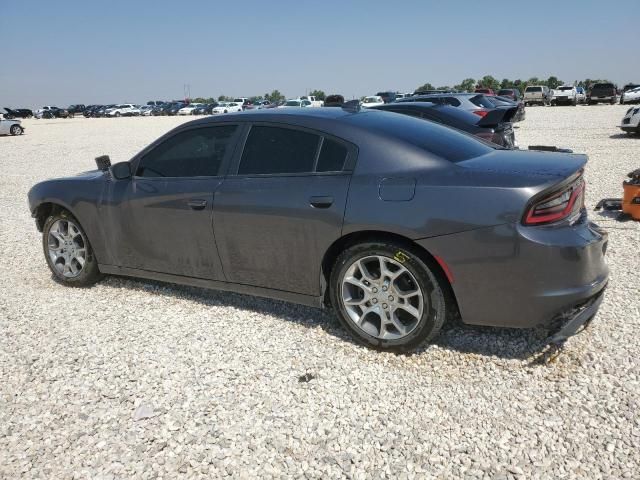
[{"x": 139, "y": 379}]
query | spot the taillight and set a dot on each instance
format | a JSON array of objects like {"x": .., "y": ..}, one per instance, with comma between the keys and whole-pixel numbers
[
  {"x": 557, "y": 205},
  {"x": 481, "y": 113}
]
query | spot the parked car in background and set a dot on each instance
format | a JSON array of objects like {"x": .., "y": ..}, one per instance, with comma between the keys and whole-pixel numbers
[
  {"x": 145, "y": 110},
  {"x": 491, "y": 127},
  {"x": 226, "y": 107},
  {"x": 630, "y": 96},
  {"x": 602, "y": 93},
  {"x": 188, "y": 109},
  {"x": 244, "y": 101},
  {"x": 89, "y": 110},
  {"x": 260, "y": 104},
  {"x": 581, "y": 95},
  {"x": 401, "y": 95},
  {"x": 387, "y": 97},
  {"x": 486, "y": 91},
  {"x": 10, "y": 126},
  {"x": 155, "y": 103},
  {"x": 11, "y": 113},
  {"x": 205, "y": 109},
  {"x": 432, "y": 92},
  {"x": 123, "y": 110},
  {"x": 51, "y": 112},
  {"x": 174, "y": 108},
  {"x": 565, "y": 95},
  {"x": 511, "y": 93},
  {"x": 334, "y": 100},
  {"x": 372, "y": 101},
  {"x": 631, "y": 121},
  {"x": 477, "y": 103},
  {"x": 102, "y": 111},
  {"x": 313, "y": 101},
  {"x": 428, "y": 223},
  {"x": 500, "y": 102},
  {"x": 76, "y": 108},
  {"x": 295, "y": 103},
  {"x": 537, "y": 95}
]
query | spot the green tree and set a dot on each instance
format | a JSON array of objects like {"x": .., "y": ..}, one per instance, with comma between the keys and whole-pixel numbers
[
  {"x": 553, "y": 82},
  {"x": 489, "y": 82},
  {"x": 426, "y": 86},
  {"x": 274, "y": 96},
  {"x": 224, "y": 98},
  {"x": 506, "y": 83},
  {"x": 319, "y": 94},
  {"x": 467, "y": 85}
]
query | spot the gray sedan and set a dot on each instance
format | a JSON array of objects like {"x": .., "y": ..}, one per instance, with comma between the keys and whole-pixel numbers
[{"x": 394, "y": 222}]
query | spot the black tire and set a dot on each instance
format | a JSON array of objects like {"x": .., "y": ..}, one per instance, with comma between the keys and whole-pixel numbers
[
  {"x": 117, "y": 114},
  {"x": 435, "y": 307},
  {"x": 16, "y": 130},
  {"x": 89, "y": 274}
]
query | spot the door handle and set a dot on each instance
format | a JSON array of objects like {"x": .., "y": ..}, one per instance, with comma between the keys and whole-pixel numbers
[
  {"x": 321, "y": 202},
  {"x": 197, "y": 204}
]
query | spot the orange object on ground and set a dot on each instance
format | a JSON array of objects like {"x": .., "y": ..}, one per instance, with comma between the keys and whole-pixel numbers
[{"x": 631, "y": 198}]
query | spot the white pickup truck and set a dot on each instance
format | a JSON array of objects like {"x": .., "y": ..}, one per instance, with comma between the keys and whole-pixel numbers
[
  {"x": 314, "y": 101},
  {"x": 565, "y": 95}
]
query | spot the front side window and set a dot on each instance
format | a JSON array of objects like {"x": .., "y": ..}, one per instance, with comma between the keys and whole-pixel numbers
[
  {"x": 193, "y": 153},
  {"x": 276, "y": 150}
]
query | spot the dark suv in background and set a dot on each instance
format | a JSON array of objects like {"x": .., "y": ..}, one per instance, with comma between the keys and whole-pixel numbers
[
  {"x": 512, "y": 93},
  {"x": 602, "y": 92}
]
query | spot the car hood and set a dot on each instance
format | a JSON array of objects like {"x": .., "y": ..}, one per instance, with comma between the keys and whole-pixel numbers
[{"x": 528, "y": 163}]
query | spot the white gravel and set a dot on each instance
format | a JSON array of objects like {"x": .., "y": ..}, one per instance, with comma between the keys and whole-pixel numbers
[{"x": 138, "y": 379}]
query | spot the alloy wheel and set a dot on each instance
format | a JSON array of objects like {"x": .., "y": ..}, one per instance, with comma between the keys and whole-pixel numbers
[
  {"x": 382, "y": 297},
  {"x": 67, "y": 248}
]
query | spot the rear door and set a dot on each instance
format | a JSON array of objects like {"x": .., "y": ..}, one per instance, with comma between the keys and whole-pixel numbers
[
  {"x": 161, "y": 218},
  {"x": 282, "y": 206}
]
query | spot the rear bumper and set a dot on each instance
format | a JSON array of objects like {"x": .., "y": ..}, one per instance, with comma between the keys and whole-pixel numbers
[
  {"x": 629, "y": 128},
  {"x": 523, "y": 277},
  {"x": 571, "y": 322}
]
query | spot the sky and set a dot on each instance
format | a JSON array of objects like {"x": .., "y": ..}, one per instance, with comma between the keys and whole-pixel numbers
[{"x": 82, "y": 51}]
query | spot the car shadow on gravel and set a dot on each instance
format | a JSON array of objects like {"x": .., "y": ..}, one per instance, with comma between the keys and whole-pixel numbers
[
  {"x": 626, "y": 136},
  {"x": 486, "y": 341}
]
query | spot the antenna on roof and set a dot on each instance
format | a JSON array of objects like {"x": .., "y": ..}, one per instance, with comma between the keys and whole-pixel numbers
[{"x": 352, "y": 106}]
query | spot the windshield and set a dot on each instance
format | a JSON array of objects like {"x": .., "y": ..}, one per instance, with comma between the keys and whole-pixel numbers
[
  {"x": 238, "y": 100},
  {"x": 533, "y": 89},
  {"x": 370, "y": 100}
]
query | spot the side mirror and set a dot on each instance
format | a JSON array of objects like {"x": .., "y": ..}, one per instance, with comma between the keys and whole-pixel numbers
[{"x": 121, "y": 170}]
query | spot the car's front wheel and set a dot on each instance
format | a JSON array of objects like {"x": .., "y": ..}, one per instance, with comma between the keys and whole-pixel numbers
[
  {"x": 386, "y": 296},
  {"x": 68, "y": 252},
  {"x": 16, "y": 130}
]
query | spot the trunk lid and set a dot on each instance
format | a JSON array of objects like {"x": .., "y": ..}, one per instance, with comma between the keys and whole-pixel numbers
[{"x": 528, "y": 163}]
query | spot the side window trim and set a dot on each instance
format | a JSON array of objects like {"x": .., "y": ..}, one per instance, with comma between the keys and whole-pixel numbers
[{"x": 224, "y": 165}]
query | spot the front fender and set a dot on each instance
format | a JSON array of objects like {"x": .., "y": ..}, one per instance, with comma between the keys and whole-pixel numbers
[{"x": 81, "y": 196}]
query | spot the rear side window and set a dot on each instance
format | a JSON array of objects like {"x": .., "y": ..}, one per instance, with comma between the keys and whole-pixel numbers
[
  {"x": 454, "y": 102},
  {"x": 272, "y": 150},
  {"x": 193, "y": 153},
  {"x": 332, "y": 157}
]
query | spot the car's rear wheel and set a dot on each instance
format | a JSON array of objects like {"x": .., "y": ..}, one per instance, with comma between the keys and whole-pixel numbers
[
  {"x": 68, "y": 252},
  {"x": 386, "y": 296},
  {"x": 16, "y": 130},
  {"x": 117, "y": 114}
]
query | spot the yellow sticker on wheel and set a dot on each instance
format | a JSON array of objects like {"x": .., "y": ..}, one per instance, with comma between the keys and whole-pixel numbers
[{"x": 401, "y": 256}]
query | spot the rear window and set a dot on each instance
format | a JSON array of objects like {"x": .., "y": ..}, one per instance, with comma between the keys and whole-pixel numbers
[
  {"x": 481, "y": 101},
  {"x": 533, "y": 89},
  {"x": 438, "y": 140},
  {"x": 603, "y": 85},
  {"x": 563, "y": 89}
]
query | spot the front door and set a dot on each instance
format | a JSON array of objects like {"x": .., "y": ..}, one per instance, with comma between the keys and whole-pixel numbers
[
  {"x": 161, "y": 218},
  {"x": 281, "y": 209}
]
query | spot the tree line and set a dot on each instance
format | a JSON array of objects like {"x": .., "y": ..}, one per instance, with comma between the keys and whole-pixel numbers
[{"x": 488, "y": 81}]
